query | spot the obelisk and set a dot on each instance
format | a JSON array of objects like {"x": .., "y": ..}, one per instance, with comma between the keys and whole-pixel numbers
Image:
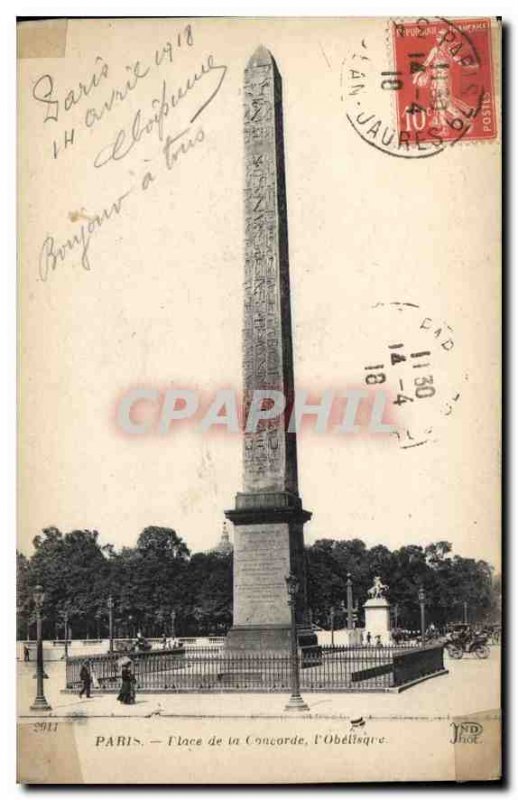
[{"x": 268, "y": 514}]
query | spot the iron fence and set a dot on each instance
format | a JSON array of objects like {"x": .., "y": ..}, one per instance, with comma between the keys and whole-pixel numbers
[{"x": 357, "y": 668}]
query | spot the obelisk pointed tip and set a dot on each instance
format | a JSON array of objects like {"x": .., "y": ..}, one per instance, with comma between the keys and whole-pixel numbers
[{"x": 260, "y": 58}]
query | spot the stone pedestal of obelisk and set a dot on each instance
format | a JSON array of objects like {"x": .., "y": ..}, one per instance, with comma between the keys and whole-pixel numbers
[{"x": 268, "y": 514}]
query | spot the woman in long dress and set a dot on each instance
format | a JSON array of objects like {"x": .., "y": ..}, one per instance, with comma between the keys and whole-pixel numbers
[{"x": 127, "y": 690}]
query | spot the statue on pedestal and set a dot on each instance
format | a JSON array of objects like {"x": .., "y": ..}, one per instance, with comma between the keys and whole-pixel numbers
[
  {"x": 377, "y": 613},
  {"x": 378, "y": 588}
]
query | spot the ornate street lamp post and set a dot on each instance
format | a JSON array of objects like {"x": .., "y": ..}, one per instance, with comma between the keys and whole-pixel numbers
[
  {"x": 110, "y": 620},
  {"x": 173, "y": 625},
  {"x": 350, "y": 608},
  {"x": 40, "y": 703},
  {"x": 465, "y": 606},
  {"x": 422, "y": 600},
  {"x": 295, "y": 703},
  {"x": 65, "y": 623},
  {"x": 332, "y": 620}
]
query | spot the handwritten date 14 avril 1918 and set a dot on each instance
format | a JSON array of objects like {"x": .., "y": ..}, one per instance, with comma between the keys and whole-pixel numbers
[{"x": 142, "y": 125}]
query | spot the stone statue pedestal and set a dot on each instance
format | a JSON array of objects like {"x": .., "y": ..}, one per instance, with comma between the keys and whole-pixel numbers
[{"x": 377, "y": 619}]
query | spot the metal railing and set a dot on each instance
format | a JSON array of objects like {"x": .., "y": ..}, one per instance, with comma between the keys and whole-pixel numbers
[{"x": 324, "y": 669}]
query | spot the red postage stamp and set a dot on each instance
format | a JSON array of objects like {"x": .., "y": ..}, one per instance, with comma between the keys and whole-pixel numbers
[{"x": 444, "y": 75}]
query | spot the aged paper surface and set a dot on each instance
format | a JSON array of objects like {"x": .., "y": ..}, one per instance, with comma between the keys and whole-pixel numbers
[{"x": 134, "y": 169}]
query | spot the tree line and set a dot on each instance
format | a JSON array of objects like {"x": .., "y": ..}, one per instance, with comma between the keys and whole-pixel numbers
[{"x": 160, "y": 577}]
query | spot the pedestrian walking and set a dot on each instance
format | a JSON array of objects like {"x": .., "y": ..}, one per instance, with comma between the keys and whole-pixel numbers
[
  {"x": 127, "y": 690},
  {"x": 26, "y": 653},
  {"x": 86, "y": 679}
]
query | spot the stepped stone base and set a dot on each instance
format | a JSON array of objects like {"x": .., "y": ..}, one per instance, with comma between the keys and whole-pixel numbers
[
  {"x": 267, "y": 637},
  {"x": 258, "y": 637}
]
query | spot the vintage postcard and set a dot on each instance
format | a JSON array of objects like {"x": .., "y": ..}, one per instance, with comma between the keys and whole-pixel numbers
[{"x": 259, "y": 400}]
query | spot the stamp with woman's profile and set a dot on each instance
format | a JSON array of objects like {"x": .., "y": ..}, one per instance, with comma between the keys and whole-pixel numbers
[{"x": 415, "y": 88}]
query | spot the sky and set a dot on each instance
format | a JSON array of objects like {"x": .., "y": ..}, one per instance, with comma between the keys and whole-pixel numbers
[{"x": 383, "y": 251}]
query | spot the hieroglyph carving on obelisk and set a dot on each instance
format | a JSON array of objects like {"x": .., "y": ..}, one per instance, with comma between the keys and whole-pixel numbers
[
  {"x": 270, "y": 459},
  {"x": 268, "y": 516}
]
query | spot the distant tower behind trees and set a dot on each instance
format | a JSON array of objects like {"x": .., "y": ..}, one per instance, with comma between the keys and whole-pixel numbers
[{"x": 224, "y": 545}]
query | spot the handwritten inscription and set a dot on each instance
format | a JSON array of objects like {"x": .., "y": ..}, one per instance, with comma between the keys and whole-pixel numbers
[
  {"x": 44, "y": 90},
  {"x": 155, "y": 122},
  {"x": 52, "y": 254},
  {"x": 126, "y": 138}
]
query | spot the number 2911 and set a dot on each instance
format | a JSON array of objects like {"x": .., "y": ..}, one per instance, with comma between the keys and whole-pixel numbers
[{"x": 45, "y": 727}]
